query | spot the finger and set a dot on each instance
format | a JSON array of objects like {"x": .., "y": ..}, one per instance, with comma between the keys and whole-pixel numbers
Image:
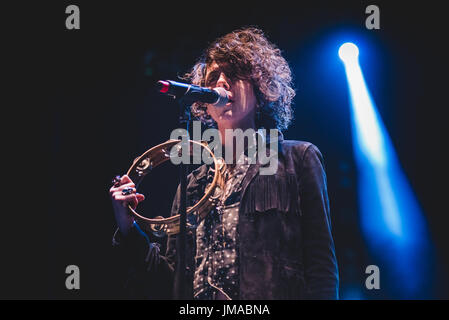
[
  {"x": 121, "y": 199},
  {"x": 127, "y": 185},
  {"x": 119, "y": 196},
  {"x": 125, "y": 179},
  {"x": 133, "y": 203},
  {"x": 128, "y": 200},
  {"x": 121, "y": 186},
  {"x": 116, "y": 181},
  {"x": 127, "y": 190},
  {"x": 140, "y": 197},
  {"x": 120, "y": 189}
]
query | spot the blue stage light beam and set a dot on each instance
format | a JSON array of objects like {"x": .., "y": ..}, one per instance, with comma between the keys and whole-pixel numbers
[{"x": 391, "y": 219}]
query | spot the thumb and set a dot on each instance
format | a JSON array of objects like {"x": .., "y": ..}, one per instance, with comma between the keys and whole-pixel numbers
[{"x": 140, "y": 197}]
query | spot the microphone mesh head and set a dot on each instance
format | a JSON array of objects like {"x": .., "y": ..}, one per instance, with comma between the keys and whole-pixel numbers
[{"x": 222, "y": 97}]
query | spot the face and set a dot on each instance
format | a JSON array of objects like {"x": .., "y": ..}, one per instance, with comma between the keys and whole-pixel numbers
[{"x": 240, "y": 110}]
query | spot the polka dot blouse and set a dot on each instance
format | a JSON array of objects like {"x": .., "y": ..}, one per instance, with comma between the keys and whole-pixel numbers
[{"x": 216, "y": 274}]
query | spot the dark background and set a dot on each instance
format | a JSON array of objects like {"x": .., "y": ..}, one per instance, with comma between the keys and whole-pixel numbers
[{"x": 87, "y": 110}]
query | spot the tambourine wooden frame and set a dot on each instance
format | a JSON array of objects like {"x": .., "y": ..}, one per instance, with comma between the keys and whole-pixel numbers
[{"x": 154, "y": 157}]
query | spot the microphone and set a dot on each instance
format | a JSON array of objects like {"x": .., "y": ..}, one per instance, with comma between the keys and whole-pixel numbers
[{"x": 217, "y": 96}]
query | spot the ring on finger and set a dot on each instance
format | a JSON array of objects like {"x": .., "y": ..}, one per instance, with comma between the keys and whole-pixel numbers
[
  {"x": 116, "y": 181},
  {"x": 127, "y": 191}
]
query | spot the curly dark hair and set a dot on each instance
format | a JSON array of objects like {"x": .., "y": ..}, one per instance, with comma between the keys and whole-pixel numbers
[{"x": 247, "y": 54}]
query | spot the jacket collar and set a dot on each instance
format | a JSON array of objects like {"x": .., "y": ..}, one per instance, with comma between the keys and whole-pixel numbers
[{"x": 261, "y": 135}]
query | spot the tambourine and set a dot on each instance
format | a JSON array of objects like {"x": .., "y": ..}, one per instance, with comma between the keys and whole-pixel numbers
[{"x": 152, "y": 158}]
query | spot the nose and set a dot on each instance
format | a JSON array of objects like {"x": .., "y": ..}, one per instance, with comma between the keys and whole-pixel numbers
[{"x": 223, "y": 82}]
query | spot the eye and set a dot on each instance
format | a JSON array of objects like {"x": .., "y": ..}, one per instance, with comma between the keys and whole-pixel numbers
[{"x": 211, "y": 80}]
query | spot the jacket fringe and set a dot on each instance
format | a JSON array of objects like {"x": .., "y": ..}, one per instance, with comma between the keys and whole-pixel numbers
[{"x": 267, "y": 192}]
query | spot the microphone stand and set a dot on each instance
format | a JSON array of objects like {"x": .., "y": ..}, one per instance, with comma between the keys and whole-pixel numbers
[{"x": 180, "y": 281}]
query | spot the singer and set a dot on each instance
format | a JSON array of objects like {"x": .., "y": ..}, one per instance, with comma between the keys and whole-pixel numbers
[{"x": 270, "y": 235}]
